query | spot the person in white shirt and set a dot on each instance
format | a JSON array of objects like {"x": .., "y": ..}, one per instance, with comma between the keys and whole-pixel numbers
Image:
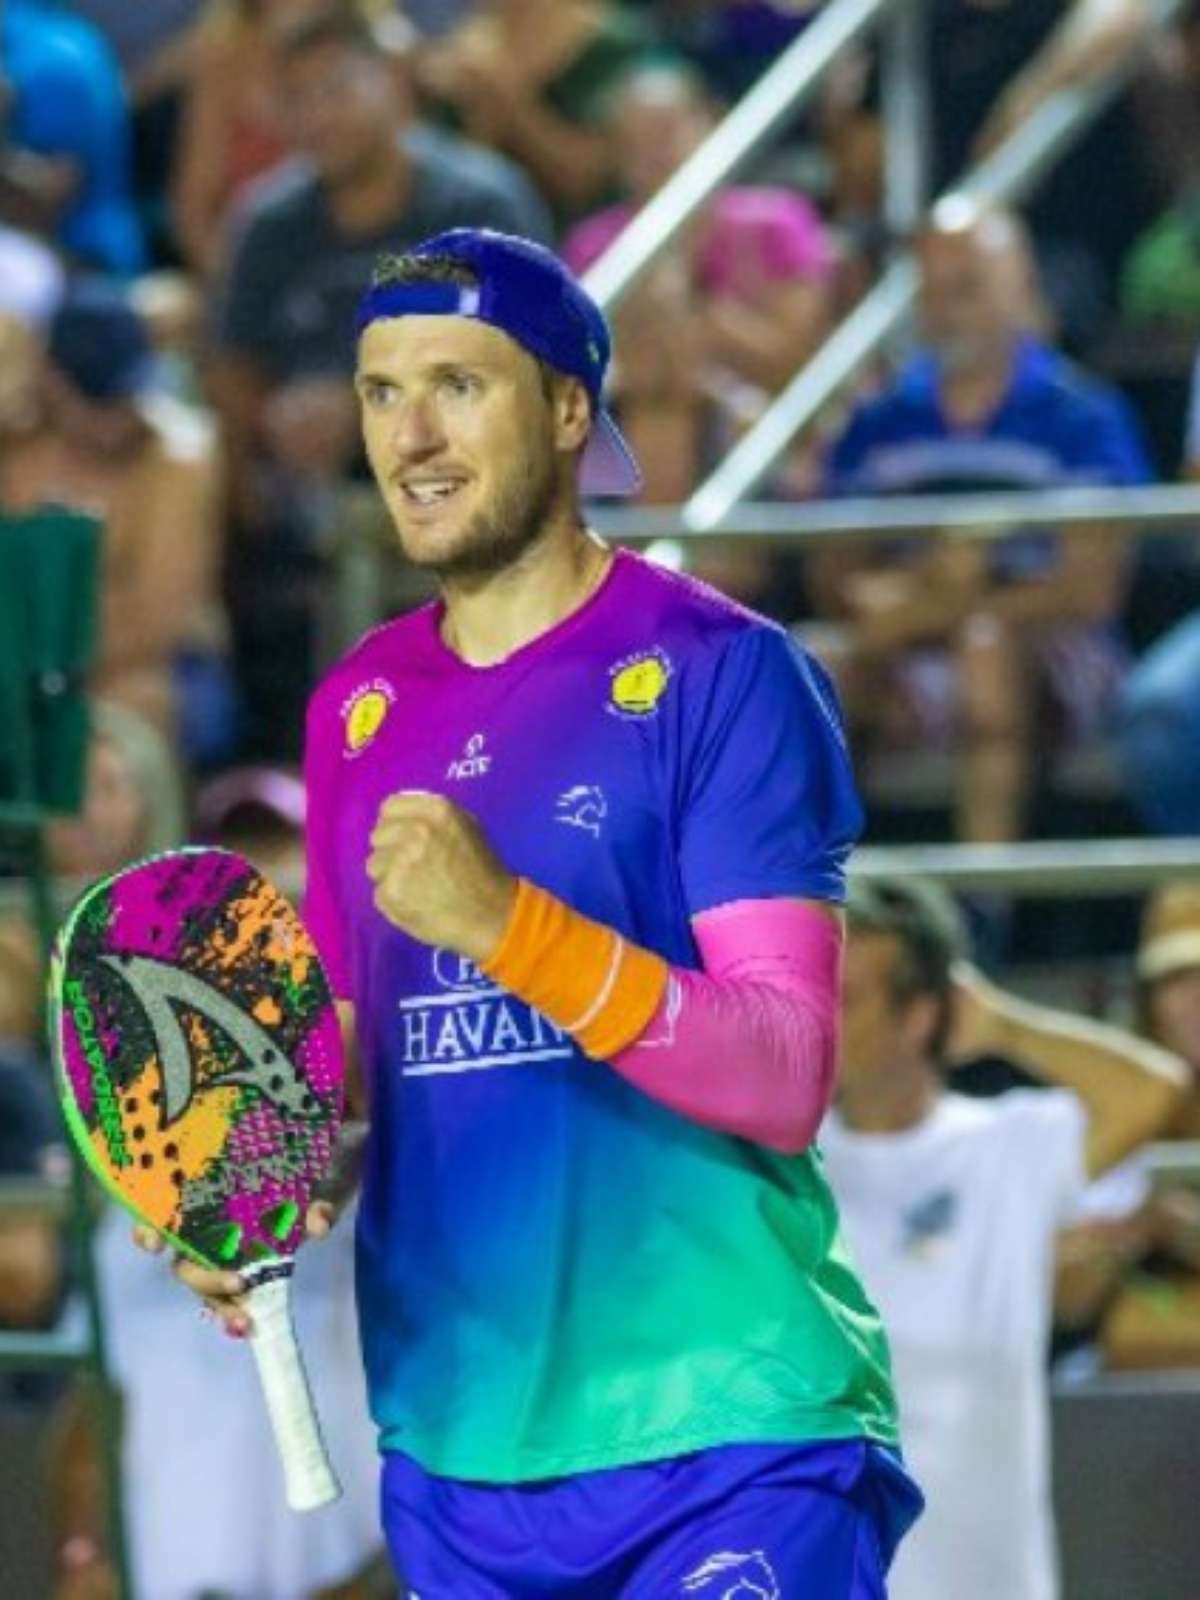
[
  {"x": 952, "y": 1206},
  {"x": 205, "y": 1510}
]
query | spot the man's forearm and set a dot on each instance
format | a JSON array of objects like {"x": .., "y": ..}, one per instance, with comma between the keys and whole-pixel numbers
[{"x": 1130, "y": 1088}]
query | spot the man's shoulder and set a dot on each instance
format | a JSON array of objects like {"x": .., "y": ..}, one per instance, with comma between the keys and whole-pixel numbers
[
  {"x": 692, "y": 611},
  {"x": 280, "y": 203},
  {"x": 903, "y": 406},
  {"x": 1068, "y": 386},
  {"x": 377, "y": 664},
  {"x": 1024, "y": 1119}
]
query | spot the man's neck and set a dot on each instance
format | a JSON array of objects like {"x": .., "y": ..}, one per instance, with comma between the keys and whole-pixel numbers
[
  {"x": 376, "y": 196},
  {"x": 972, "y": 395},
  {"x": 487, "y": 619},
  {"x": 892, "y": 1102}
]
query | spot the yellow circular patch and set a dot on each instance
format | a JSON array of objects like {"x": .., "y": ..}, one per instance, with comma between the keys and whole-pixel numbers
[
  {"x": 364, "y": 718},
  {"x": 639, "y": 687}
]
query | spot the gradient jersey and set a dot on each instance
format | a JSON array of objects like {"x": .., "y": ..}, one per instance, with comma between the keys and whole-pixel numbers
[{"x": 557, "y": 1273}]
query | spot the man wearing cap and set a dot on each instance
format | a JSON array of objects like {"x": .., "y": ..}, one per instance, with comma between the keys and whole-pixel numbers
[
  {"x": 577, "y": 834},
  {"x": 107, "y": 439},
  {"x": 1148, "y": 1283}
]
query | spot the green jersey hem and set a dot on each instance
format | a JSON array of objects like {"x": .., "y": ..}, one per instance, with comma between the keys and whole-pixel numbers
[{"x": 529, "y": 1466}]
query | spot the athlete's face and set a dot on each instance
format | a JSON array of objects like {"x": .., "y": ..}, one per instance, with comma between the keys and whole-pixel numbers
[{"x": 472, "y": 455}]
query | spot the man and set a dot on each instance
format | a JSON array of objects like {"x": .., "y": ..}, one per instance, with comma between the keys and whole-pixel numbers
[
  {"x": 612, "y": 1342},
  {"x": 952, "y": 1207},
  {"x": 952, "y": 641},
  {"x": 367, "y": 180},
  {"x": 109, "y": 441}
]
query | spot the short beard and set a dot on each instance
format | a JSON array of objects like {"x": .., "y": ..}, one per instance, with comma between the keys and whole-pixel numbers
[{"x": 496, "y": 540}]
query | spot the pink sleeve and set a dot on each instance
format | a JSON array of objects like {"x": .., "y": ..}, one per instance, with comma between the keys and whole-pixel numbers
[
  {"x": 322, "y": 912},
  {"x": 749, "y": 1045}
]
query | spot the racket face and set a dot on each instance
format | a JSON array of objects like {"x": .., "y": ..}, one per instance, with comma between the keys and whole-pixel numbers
[{"x": 198, "y": 1054}]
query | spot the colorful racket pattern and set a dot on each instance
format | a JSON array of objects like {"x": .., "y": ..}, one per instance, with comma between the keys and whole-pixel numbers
[{"x": 200, "y": 1071}]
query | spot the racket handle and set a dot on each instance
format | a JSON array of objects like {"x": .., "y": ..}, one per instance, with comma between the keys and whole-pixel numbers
[{"x": 307, "y": 1473}]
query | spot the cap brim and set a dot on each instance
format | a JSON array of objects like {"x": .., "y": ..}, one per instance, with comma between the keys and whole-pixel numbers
[{"x": 609, "y": 467}]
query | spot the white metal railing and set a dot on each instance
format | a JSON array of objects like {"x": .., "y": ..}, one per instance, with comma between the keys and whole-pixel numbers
[
  {"x": 1043, "y": 871},
  {"x": 963, "y": 516}
]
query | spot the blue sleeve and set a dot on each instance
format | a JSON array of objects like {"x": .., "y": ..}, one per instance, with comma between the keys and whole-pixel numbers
[{"x": 769, "y": 804}]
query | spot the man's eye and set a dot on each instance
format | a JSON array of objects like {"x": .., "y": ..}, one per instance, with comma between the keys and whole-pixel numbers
[
  {"x": 378, "y": 394},
  {"x": 460, "y": 383}
]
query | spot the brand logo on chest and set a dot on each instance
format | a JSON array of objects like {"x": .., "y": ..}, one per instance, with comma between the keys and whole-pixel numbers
[
  {"x": 473, "y": 763},
  {"x": 468, "y": 1024}
]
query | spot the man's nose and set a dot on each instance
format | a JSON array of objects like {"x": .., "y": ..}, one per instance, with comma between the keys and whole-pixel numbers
[{"x": 416, "y": 430}]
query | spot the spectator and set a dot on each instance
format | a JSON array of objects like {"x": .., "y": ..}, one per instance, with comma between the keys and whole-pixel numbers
[
  {"x": 966, "y": 638},
  {"x": 234, "y": 127},
  {"x": 64, "y": 143},
  {"x": 132, "y": 806},
  {"x": 1149, "y": 1282},
  {"x": 217, "y": 1522},
  {"x": 31, "y": 285},
  {"x": 740, "y": 301},
  {"x": 533, "y": 79},
  {"x": 1158, "y": 713},
  {"x": 370, "y": 181},
  {"x": 147, "y": 466},
  {"x": 952, "y": 1207}
]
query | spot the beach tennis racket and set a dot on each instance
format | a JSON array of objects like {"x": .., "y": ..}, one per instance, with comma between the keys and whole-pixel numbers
[{"x": 199, "y": 1065}]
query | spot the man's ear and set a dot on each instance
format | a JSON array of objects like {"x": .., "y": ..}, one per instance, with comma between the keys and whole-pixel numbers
[{"x": 572, "y": 414}]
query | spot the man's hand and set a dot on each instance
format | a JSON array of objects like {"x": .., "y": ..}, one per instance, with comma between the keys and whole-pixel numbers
[
  {"x": 223, "y": 1292},
  {"x": 437, "y": 877}
]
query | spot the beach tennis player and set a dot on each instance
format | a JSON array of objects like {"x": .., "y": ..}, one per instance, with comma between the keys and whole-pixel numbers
[{"x": 577, "y": 835}]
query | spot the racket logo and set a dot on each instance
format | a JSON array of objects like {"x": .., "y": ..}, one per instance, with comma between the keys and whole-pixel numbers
[{"x": 159, "y": 989}]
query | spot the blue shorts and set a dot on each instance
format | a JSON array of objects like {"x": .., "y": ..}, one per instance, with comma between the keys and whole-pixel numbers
[{"x": 811, "y": 1522}]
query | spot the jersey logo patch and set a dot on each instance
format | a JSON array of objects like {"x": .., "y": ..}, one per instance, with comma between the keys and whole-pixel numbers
[
  {"x": 730, "y": 1575},
  {"x": 583, "y": 806},
  {"x": 364, "y": 713},
  {"x": 639, "y": 683}
]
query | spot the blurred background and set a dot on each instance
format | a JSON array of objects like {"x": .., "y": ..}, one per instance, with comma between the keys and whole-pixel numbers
[{"x": 906, "y": 300}]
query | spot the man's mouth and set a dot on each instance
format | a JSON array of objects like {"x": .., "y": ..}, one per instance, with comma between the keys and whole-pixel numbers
[{"x": 426, "y": 492}]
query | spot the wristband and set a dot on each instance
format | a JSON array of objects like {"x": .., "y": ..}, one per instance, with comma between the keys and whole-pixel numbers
[{"x": 583, "y": 976}]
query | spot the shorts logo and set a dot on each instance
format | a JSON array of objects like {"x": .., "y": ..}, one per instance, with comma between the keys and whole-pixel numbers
[
  {"x": 731, "y": 1575},
  {"x": 364, "y": 712},
  {"x": 639, "y": 683}
]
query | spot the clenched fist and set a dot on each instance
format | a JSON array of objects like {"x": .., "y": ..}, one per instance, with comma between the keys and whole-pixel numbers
[{"x": 437, "y": 877}]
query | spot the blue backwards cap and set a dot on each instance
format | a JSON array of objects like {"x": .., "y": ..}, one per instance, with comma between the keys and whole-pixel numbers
[{"x": 524, "y": 290}]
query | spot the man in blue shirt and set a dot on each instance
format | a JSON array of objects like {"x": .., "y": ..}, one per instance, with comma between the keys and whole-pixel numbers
[{"x": 953, "y": 640}]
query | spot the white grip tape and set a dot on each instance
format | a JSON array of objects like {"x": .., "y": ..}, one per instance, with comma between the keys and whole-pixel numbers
[{"x": 307, "y": 1473}]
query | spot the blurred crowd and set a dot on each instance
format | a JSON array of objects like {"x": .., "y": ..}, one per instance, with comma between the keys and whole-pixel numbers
[{"x": 192, "y": 193}]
